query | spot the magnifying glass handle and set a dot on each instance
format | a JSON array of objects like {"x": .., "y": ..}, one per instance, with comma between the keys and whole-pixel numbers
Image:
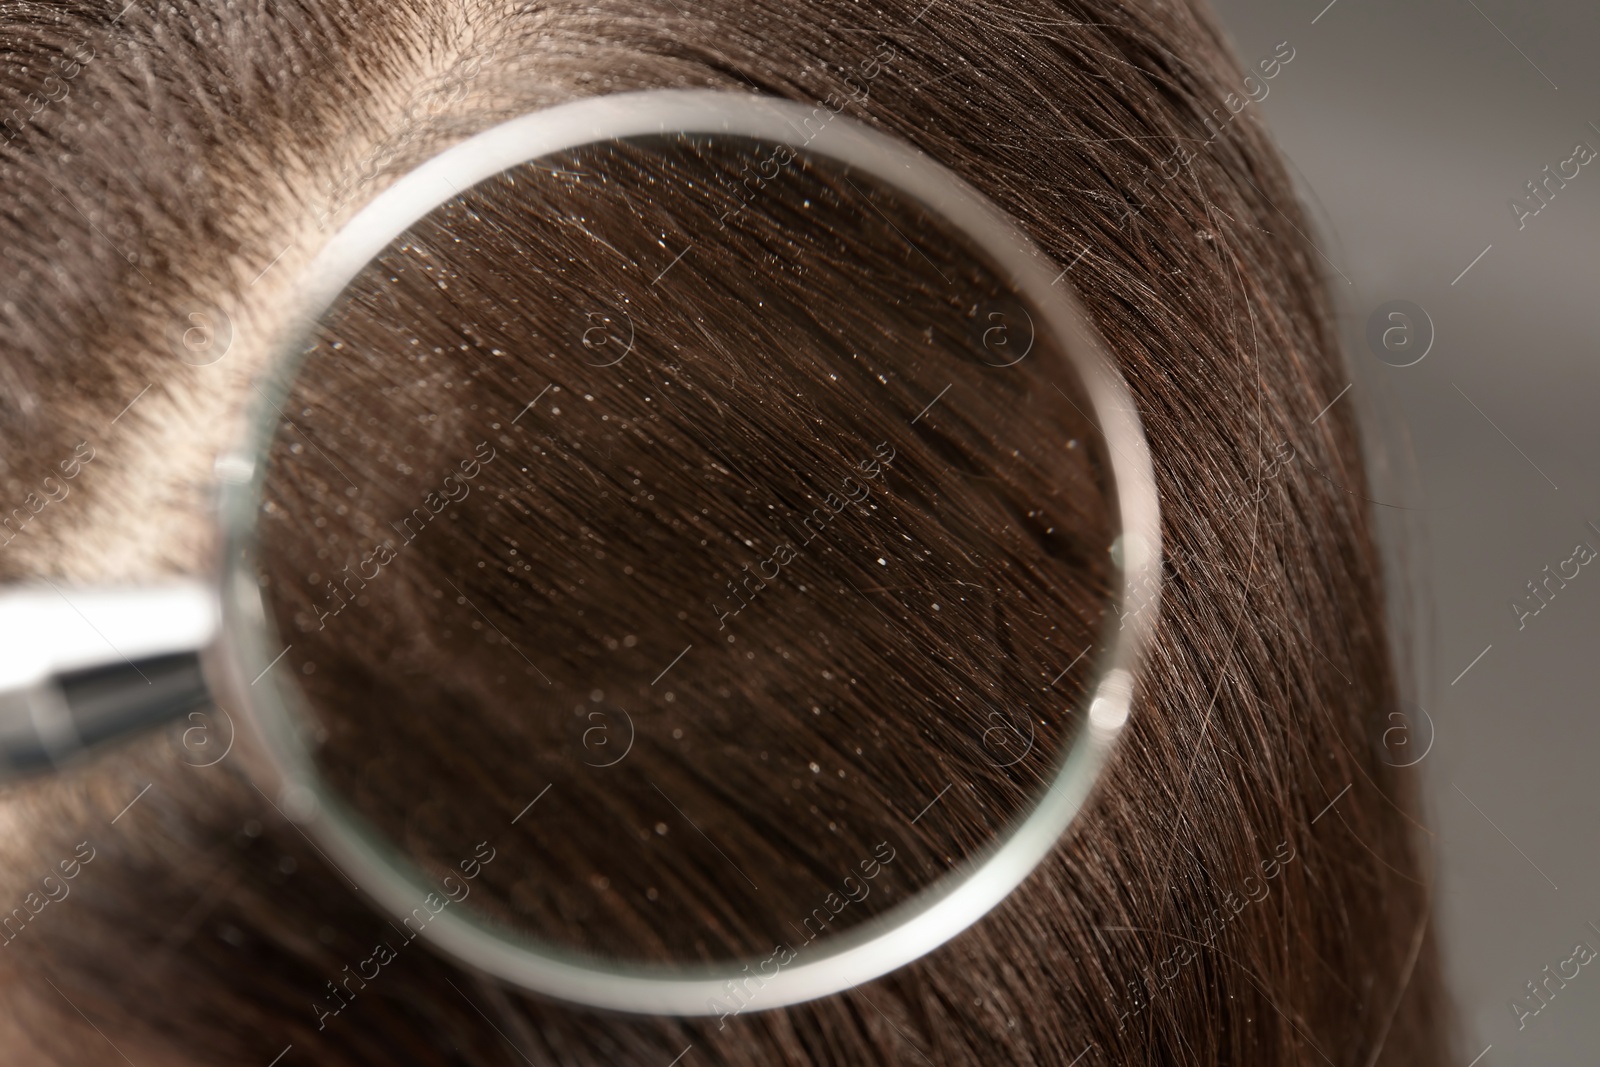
[{"x": 81, "y": 667}]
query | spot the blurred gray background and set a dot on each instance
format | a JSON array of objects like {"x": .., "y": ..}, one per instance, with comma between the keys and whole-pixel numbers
[{"x": 1410, "y": 126}]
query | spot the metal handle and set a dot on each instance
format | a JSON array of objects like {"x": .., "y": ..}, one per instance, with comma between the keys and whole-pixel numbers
[{"x": 81, "y": 667}]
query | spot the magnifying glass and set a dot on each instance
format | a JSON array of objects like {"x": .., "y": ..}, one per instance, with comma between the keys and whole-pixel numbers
[{"x": 692, "y": 555}]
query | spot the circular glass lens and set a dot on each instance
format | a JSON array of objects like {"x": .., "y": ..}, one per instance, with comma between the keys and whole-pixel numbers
[{"x": 690, "y": 548}]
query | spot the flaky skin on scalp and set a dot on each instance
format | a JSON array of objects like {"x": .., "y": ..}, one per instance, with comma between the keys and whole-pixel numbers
[{"x": 167, "y": 160}]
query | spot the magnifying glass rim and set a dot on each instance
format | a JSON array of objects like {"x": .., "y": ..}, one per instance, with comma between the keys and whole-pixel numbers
[{"x": 907, "y": 931}]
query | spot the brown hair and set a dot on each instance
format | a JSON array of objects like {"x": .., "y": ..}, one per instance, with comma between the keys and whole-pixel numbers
[{"x": 1244, "y": 888}]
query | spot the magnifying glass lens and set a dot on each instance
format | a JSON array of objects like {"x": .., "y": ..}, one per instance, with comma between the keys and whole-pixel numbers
[{"x": 687, "y": 547}]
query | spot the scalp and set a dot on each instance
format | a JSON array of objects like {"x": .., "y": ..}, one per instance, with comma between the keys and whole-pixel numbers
[{"x": 203, "y": 155}]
